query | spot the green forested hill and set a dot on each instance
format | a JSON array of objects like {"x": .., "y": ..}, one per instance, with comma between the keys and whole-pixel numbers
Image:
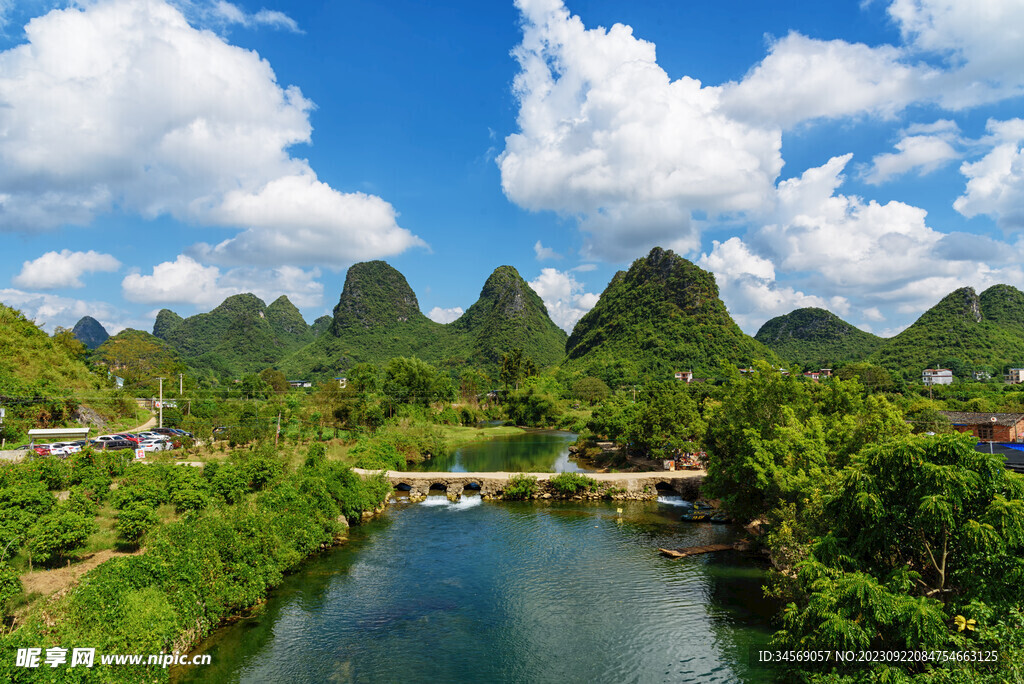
[
  {"x": 509, "y": 314},
  {"x": 816, "y": 338},
  {"x": 242, "y": 335},
  {"x": 964, "y": 332},
  {"x": 138, "y": 358},
  {"x": 32, "y": 362},
  {"x": 662, "y": 315},
  {"x": 378, "y": 318},
  {"x": 166, "y": 321}
]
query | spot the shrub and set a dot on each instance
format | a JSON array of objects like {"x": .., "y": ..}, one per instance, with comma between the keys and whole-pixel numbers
[
  {"x": 520, "y": 486},
  {"x": 568, "y": 484},
  {"x": 59, "y": 534},
  {"x": 316, "y": 455},
  {"x": 134, "y": 521},
  {"x": 10, "y": 587},
  {"x": 375, "y": 454}
]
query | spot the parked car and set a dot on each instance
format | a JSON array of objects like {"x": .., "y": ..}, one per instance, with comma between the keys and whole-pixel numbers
[
  {"x": 42, "y": 449},
  {"x": 130, "y": 436},
  {"x": 64, "y": 448},
  {"x": 155, "y": 445},
  {"x": 113, "y": 444}
]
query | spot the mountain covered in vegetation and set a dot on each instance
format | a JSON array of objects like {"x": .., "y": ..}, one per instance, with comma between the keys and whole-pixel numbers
[
  {"x": 816, "y": 338},
  {"x": 964, "y": 332},
  {"x": 90, "y": 332},
  {"x": 242, "y": 335},
  {"x": 509, "y": 314},
  {"x": 378, "y": 317},
  {"x": 32, "y": 362},
  {"x": 662, "y": 315}
]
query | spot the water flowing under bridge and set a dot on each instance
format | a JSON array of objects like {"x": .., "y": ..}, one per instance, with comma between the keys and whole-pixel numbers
[{"x": 492, "y": 485}]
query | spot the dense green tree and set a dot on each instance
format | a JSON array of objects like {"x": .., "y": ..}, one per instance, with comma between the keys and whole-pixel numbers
[
  {"x": 412, "y": 381},
  {"x": 913, "y": 533},
  {"x": 276, "y": 379},
  {"x": 591, "y": 390},
  {"x": 772, "y": 439}
]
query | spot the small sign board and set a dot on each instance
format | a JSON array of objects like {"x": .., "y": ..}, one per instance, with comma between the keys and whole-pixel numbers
[{"x": 140, "y": 453}]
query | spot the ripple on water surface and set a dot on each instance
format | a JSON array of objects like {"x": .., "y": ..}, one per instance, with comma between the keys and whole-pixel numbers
[{"x": 479, "y": 591}]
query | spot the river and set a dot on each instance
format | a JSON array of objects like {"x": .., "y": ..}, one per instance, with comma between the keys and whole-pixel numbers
[
  {"x": 533, "y": 451},
  {"x": 482, "y": 591}
]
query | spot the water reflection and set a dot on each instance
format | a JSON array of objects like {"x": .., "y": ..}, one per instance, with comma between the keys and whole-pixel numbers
[
  {"x": 537, "y": 451},
  {"x": 507, "y": 592}
]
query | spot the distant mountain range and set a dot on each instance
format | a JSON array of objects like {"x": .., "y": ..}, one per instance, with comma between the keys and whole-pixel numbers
[
  {"x": 660, "y": 316},
  {"x": 964, "y": 330}
]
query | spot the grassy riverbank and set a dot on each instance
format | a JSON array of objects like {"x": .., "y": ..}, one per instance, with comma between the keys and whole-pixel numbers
[{"x": 244, "y": 524}]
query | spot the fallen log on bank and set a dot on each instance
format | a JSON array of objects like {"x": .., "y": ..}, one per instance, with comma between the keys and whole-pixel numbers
[{"x": 741, "y": 545}]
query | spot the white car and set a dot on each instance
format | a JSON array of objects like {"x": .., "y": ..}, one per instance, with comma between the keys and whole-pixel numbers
[
  {"x": 64, "y": 448},
  {"x": 154, "y": 445}
]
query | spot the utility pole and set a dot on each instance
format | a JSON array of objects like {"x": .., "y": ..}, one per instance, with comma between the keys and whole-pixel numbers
[
  {"x": 181, "y": 383},
  {"x": 161, "y": 402},
  {"x": 277, "y": 434}
]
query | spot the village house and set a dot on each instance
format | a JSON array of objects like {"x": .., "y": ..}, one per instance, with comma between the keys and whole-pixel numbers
[
  {"x": 937, "y": 376},
  {"x": 684, "y": 376},
  {"x": 1015, "y": 376},
  {"x": 988, "y": 427},
  {"x": 300, "y": 383}
]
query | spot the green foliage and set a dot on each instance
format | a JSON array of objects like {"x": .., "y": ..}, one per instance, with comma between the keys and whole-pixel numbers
[
  {"x": 58, "y": 535},
  {"x": 139, "y": 358},
  {"x": 532, "y": 406},
  {"x": 135, "y": 521},
  {"x": 377, "y": 454},
  {"x": 520, "y": 487},
  {"x": 912, "y": 533},
  {"x": 196, "y": 572},
  {"x": 773, "y": 438},
  {"x": 316, "y": 455},
  {"x": 591, "y": 390},
  {"x": 277, "y": 380},
  {"x": 815, "y": 338},
  {"x": 568, "y": 484},
  {"x": 412, "y": 381},
  {"x": 663, "y": 315},
  {"x": 10, "y": 587}
]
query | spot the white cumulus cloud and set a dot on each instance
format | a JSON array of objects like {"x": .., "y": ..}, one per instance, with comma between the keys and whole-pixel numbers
[
  {"x": 186, "y": 281},
  {"x": 63, "y": 269},
  {"x": 746, "y": 283},
  {"x": 544, "y": 253},
  {"x": 439, "y": 315},
  {"x": 995, "y": 183},
  {"x": 123, "y": 105},
  {"x": 606, "y": 136},
  {"x": 923, "y": 152},
  {"x": 563, "y": 296},
  {"x": 803, "y": 78}
]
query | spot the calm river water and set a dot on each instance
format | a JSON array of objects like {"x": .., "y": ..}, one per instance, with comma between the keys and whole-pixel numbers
[
  {"x": 507, "y": 592},
  {"x": 536, "y": 451}
]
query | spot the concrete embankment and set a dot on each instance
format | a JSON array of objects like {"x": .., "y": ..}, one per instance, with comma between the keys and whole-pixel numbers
[{"x": 624, "y": 486}]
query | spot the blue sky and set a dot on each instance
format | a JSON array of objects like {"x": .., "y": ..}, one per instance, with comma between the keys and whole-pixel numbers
[{"x": 861, "y": 156}]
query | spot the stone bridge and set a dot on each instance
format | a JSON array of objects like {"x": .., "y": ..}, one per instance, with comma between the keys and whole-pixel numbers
[{"x": 492, "y": 485}]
